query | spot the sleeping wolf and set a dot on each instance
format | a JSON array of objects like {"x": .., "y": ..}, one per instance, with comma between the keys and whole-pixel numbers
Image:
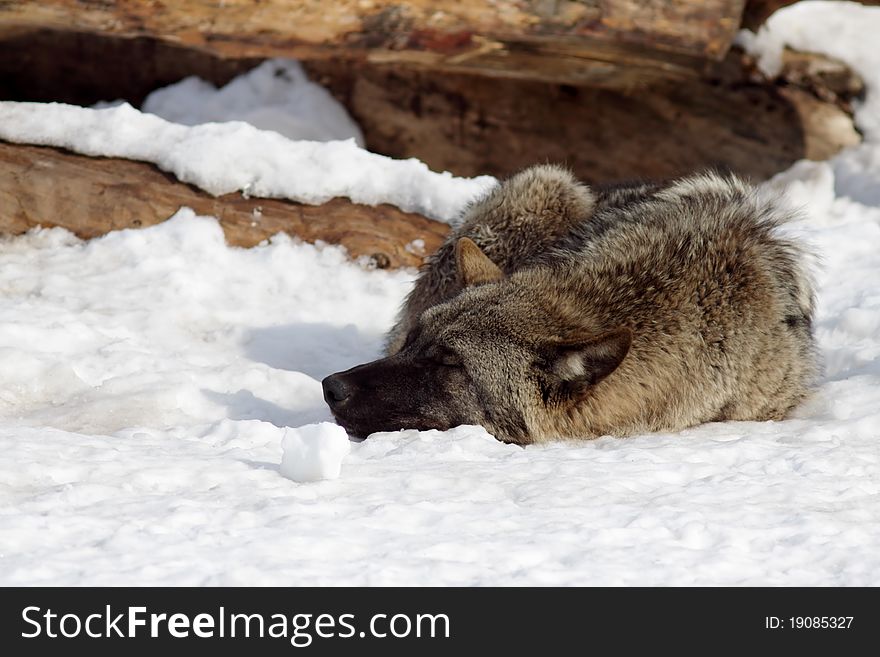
[{"x": 561, "y": 311}]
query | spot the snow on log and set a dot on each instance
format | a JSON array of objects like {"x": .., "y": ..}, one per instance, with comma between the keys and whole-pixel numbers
[
  {"x": 235, "y": 156},
  {"x": 43, "y": 186}
]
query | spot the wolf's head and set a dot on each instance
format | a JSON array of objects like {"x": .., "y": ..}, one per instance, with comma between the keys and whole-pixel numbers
[{"x": 505, "y": 353}]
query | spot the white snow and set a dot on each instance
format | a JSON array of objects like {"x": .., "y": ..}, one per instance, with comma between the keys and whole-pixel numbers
[
  {"x": 847, "y": 31},
  {"x": 314, "y": 452},
  {"x": 844, "y": 30},
  {"x": 149, "y": 377},
  {"x": 234, "y": 156},
  {"x": 276, "y": 95}
]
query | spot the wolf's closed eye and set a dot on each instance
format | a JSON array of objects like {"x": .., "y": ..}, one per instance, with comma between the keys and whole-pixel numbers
[{"x": 447, "y": 358}]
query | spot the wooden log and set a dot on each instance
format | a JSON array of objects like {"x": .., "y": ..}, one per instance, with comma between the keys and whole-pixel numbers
[
  {"x": 733, "y": 119},
  {"x": 42, "y": 186},
  {"x": 613, "y": 43},
  {"x": 82, "y": 68}
]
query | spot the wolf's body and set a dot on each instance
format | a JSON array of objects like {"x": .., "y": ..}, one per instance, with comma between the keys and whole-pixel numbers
[{"x": 587, "y": 312}]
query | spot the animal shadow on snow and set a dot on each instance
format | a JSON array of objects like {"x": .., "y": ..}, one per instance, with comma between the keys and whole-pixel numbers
[
  {"x": 315, "y": 350},
  {"x": 245, "y": 405}
]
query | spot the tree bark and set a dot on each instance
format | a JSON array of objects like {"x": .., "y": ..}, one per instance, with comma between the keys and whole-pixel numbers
[
  {"x": 612, "y": 43},
  {"x": 733, "y": 119}
]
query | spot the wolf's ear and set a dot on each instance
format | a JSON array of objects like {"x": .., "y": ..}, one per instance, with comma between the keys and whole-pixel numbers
[
  {"x": 580, "y": 364},
  {"x": 474, "y": 266}
]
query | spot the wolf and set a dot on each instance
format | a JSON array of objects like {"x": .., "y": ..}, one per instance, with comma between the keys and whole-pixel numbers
[{"x": 557, "y": 310}]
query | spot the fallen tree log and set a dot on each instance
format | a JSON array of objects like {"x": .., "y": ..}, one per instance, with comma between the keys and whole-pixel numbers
[
  {"x": 41, "y": 186},
  {"x": 732, "y": 118},
  {"x": 627, "y": 89},
  {"x": 613, "y": 43}
]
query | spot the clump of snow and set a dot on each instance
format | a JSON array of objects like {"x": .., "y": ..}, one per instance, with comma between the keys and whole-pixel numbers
[
  {"x": 222, "y": 158},
  {"x": 277, "y": 95},
  {"x": 314, "y": 452},
  {"x": 417, "y": 247}
]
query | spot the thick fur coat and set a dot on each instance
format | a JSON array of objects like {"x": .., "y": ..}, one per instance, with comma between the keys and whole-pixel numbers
[{"x": 555, "y": 310}]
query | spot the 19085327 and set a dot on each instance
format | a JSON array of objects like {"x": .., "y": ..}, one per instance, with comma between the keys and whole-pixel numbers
[{"x": 808, "y": 622}]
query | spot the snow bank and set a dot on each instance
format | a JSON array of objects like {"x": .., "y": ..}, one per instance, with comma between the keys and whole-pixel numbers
[
  {"x": 222, "y": 158},
  {"x": 276, "y": 95},
  {"x": 150, "y": 376}
]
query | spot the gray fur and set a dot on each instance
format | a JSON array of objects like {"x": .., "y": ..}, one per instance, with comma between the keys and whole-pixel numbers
[
  {"x": 514, "y": 224},
  {"x": 611, "y": 311}
]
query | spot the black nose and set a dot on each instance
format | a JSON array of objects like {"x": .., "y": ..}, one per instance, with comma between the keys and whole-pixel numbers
[{"x": 336, "y": 391}]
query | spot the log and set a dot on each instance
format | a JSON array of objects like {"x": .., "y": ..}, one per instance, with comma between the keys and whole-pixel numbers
[
  {"x": 41, "y": 186},
  {"x": 731, "y": 117},
  {"x": 639, "y": 89},
  {"x": 613, "y": 43},
  {"x": 81, "y": 68}
]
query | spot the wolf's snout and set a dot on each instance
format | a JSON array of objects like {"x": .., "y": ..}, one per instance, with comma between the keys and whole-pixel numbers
[{"x": 336, "y": 390}]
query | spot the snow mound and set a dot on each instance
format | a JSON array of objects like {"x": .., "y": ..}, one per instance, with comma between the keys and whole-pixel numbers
[
  {"x": 276, "y": 95},
  {"x": 314, "y": 452}
]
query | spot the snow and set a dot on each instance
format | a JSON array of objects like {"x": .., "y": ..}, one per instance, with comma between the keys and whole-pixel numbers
[
  {"x": 234, "y": 156},
  {"x": 150, "y": 377},
  {"x": 847, "y": 31},
  {"x": 276, "y": 95},
  {"x": 844, "y": 30},
  {"x": 314, "y": 452}
]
